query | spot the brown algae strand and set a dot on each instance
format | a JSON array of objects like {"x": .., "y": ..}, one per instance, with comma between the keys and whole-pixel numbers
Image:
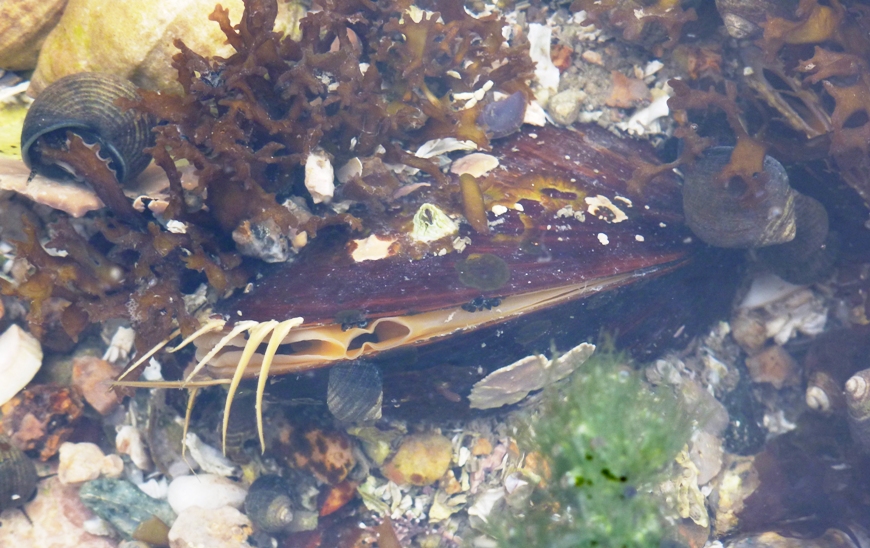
[{"x": 472, "y": 202}]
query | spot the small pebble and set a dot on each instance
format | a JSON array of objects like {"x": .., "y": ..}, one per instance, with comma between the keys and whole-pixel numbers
[
  {"x": 123, "y": 505},
  {"x": 80, "y": 462},
  {"x": 773, "y": 365},
  {"x": 564, "y": 107},
  {"x": 55, "y": 518},
  {"x": 205, "y": 491},
  {"x": 112, "y": 466},
  {"x": 93, "y": 378},
  {"x": 223, "y": 527},
  {"x": 421, "y": 460}
]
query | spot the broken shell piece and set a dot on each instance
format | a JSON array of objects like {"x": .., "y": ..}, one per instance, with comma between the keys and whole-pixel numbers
[
  {"x": 514, "y": 382},
  {"x": 209, "y": 459},
  {"x": 20, "y": 359},
  {"x": 476, "y": 164},
  {"x": 128, "y": 441},
  {"x": 372, "y": 248},
  {"x": 546, "y": 73},
  {"x": 75, "y": 199},
  {"x": 353, "y": 168},
  {"x": 437, "y": 147},
  {"x": 319, "y": 177}
]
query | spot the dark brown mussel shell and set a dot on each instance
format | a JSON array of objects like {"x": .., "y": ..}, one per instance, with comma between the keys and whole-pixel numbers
[{"x": 564, "y": 224}]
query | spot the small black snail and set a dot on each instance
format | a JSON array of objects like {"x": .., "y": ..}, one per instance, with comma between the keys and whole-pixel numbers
[
  {"x": 17, "y": 476},
  {"x": 788, "y": 231},
  {"x": 268, "y": 504},
  {"x": 718, "y": 213},
  {"x": 355, "y": 392},
  {"x": 84, "y": 105}
]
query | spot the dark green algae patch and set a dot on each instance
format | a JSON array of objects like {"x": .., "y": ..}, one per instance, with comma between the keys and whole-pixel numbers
[{"x": 607, "y": 437}]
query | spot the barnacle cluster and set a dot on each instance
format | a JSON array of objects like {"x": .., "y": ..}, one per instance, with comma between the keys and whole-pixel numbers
[{"x": 363, "y": 80}]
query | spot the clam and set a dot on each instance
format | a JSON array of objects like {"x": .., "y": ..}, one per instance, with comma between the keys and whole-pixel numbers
[{"x": 563, "y": 225}]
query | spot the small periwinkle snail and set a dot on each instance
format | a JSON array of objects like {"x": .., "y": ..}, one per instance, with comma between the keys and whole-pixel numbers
[
  {"x": 17, "y": 476},
  {"x": 77, "y": 129},
  {"x": 355, "y": 392},
  {"x": 857, "y": 392},
  {"x": 268, "y": 504},
  {"x": 788, "y": 231}
]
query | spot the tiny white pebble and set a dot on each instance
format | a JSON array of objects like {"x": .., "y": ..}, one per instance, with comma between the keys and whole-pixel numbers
[
  {"x": 663, "y": 225},
  {"x": 602, "y": 237},
  {"x": 638, "y": 237}
]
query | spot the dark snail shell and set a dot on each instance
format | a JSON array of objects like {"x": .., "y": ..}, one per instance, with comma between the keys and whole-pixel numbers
[
  {"x": 355, "y": 392},
  {"x": 85, "y": 104},
  {"x": 720, "y": 216},
  {"x": 17, "y": 476},
  {"x": 268, "y": 504},
  {"x": 810, "y": 256}
]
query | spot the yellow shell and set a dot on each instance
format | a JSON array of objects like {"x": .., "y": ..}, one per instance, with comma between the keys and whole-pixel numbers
[
  {"x": 134, "y": 40},
  {"x": 24, "y": 24}
]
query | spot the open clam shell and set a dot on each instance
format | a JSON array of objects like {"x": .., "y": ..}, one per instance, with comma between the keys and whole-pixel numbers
[{"x": 563, "y": 223}]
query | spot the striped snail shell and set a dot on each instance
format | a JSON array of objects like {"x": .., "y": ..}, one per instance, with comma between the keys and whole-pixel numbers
[
  {"x": 722, "y": 216},
  {"x": 17, "y": 476},
  {"x": 85, "y": 104},
  {"x": 268, "y": 504},
  {"x": 811, "y": 255},
  {"x": 355, "y": 392}
]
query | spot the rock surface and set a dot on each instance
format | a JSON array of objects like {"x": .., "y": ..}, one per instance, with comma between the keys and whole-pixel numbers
[
  {"x": 207, "y": 491},
  {"x": 58, "y": 521},
  {"x": 223, "y": 527}
]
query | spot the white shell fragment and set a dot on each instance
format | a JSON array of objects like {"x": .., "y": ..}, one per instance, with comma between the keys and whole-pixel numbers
[
  {"x": 601, "y": 207},
  {"x": 20, "y": 359},
  {"x": 319, "y": 177},
  {"x": 645, "y": 120},
  {"x": 372, "y": 248},
  {"x": 512, "y": 383},
  {"x": 209, "y": 458},
  {"x": 546, "y": 73},
  {"x": 476, "y": 164},
  {"x": 766, "y": 289},
  {"x": 437, "y": 147},
  {"x": 129, "y": 441},
  {"x": 353, "y": 168}
]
